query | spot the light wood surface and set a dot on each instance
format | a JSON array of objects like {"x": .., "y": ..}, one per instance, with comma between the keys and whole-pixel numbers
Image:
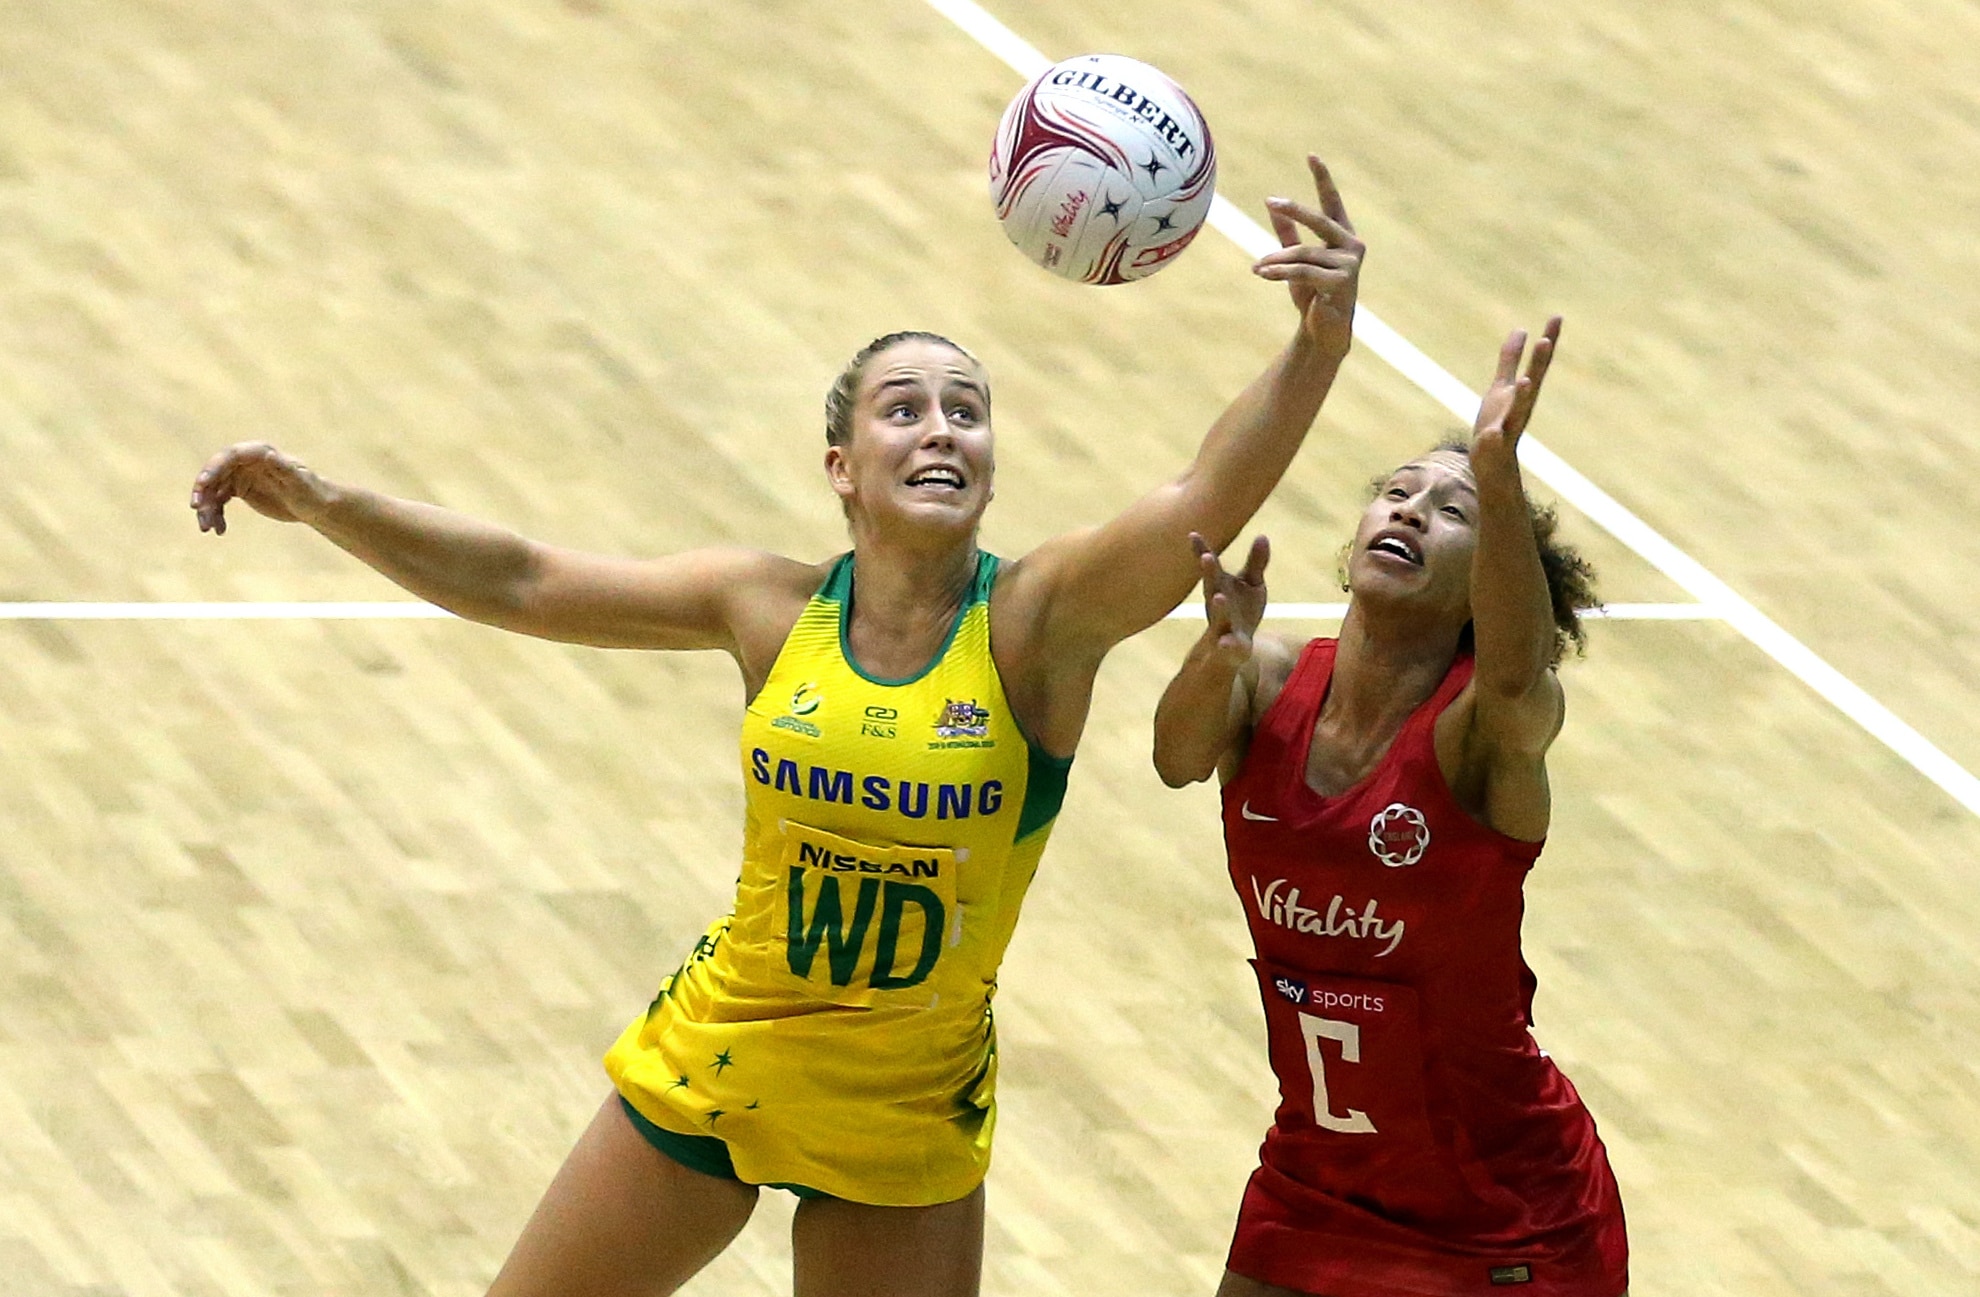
[{"x": 311, "y": 934}]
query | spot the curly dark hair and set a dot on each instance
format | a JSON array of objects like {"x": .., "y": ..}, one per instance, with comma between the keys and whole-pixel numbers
[
  {"x": 839, "y": 399},
  {"x": 1570, "y": 577}
]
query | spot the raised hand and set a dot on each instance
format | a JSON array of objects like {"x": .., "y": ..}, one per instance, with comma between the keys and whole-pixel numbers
[
  {"x": 274, "y": 485},
  {"x": 1508, "y": 402},
  {"x": 1325, "y": 276},
  {"x": 1233, "y": 605}
]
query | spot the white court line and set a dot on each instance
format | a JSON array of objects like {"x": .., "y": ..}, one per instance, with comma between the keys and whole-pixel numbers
[
  {"x": 1566, "y": 481},
  {"x": 408, "y": 610}
]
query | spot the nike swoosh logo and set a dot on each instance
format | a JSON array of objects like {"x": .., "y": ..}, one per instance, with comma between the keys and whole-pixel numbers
[{"x": 1246, "y": 811}]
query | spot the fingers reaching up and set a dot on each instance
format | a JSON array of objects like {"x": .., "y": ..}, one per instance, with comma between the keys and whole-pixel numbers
[
  {"x": 1234, "y": 604},
  {"x": 1508, "y": 403},
  {"x": 1324, "y": 276},
  {"x": 1329, "y": 220},
  {"x": 1528, "y": 388}
]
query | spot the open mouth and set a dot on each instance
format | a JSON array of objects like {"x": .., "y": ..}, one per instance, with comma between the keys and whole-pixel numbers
[
  {"x": 1397, "y": 547},
  {"x": 940, "y": 475}
]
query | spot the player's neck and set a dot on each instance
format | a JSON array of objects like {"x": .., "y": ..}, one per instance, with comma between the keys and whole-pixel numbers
[
  {"x": 904, "y": 601},
  {"x": 1385, "y": 667}
]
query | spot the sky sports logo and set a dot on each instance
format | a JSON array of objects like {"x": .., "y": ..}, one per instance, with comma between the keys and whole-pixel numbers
[{"x": 1298, "y": 992}]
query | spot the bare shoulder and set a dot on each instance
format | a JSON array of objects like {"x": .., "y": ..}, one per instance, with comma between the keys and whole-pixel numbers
[
  {"x": 761, "y": 575},
  {"x": 1026, "y": 584},
  {"x": 697, "y": 599},
  {"x": 767, "y": 595},
  {"x": 744, "y": 583},
  {"x": 1048, "y": 677},
  {"x": 771, "y": 574},
  {"x": 1021, "y": 604},
  {"x": 1273, "y": 658}
]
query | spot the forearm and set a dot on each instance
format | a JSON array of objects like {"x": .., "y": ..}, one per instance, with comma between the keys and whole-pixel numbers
[
  {"x": 1193, "y": 722},
  {"x": 1512, "y": 614},
  {"x": 466, "y": 566},
  {"x": 1252, "y": 443},
  {"x": 1122, "y": 577}
]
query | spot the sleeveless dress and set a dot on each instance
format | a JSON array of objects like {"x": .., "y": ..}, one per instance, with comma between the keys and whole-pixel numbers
[
  {"x": 835, "y": 1029},
  {"x": 1424, "y": 1145}
]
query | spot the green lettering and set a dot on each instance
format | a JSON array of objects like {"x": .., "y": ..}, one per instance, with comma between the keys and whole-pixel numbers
[
  {"x": 843, "y": 941},
  {"x": 899, "y": 896}
]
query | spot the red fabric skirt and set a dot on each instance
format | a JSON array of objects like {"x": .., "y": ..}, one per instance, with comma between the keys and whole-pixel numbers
[{"x": 1293, "y": 1237}]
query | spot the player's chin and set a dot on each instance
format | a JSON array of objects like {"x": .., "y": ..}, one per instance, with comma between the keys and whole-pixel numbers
[
  {"x": 1371, "y": 571},
  {"x": 942, "y": 509},
  {"x": 1392, "y": 584}
]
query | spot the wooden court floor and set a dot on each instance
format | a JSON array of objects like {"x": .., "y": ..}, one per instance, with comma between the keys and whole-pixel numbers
[{"x": 311, "y": 933}]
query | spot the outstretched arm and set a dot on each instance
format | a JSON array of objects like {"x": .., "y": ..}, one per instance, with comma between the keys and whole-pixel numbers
[
  {"x": 492, "y": 575},
  {"x": 1509, "y": 715},
  {"x": 1512, "y": 615},
  {"x": 1099, "y": 586}
]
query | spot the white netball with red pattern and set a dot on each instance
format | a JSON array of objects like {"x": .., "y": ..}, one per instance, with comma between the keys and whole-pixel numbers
[{"x": 1102, "y": 170}]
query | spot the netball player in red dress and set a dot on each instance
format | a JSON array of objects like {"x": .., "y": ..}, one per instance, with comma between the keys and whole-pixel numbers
[{"x": 1384, "y": 796}]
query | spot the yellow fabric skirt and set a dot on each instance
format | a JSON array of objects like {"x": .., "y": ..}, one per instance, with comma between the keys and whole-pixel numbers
[{"x": 887, "y": 1105}]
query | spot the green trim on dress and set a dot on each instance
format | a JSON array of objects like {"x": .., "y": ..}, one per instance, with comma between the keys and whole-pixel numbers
[{"x": 838, "y": 588}]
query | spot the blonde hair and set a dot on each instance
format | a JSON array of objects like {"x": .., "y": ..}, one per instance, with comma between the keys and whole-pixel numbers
[{"x": 839, "y": 398}]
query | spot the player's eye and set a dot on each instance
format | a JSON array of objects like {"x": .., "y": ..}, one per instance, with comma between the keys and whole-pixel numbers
[
  {"x": 1454, "y": 512},
  {"x": 963, "y": 414}
]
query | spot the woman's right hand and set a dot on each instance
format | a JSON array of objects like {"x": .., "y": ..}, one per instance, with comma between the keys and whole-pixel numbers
[
  {"x": 274, "y": 485},
  {"x": 1233, "y": 605}
]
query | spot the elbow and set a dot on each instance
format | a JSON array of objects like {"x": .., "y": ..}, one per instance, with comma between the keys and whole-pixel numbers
[
  {"x": 509, "y": 592},
  {"x": 1176, "y": 770},
  {"x": 523, "y": 577},
  {"x": 1511, "y": 670},
  {"x": 1509, "y": 686}
]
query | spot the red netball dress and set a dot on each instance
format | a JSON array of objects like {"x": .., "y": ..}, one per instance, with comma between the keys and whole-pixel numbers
[{"x": 1424, "y": 1146}]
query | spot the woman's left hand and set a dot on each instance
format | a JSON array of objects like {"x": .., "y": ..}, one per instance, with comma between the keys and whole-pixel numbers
[{"x": 1508, "y": 402}]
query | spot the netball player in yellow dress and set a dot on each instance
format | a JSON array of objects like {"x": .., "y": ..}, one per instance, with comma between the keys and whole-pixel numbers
[{"x": 913, "y": 709}]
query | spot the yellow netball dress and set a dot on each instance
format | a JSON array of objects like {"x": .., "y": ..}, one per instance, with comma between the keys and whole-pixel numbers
[{"x": 835, "y": 1032}]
